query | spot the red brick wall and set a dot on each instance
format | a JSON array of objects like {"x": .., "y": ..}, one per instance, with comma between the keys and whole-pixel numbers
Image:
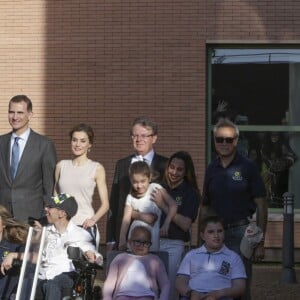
[{"x": 106, "y": 62}]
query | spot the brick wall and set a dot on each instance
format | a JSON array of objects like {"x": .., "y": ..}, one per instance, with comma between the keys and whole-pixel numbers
[{"x": 106, "y": 62}]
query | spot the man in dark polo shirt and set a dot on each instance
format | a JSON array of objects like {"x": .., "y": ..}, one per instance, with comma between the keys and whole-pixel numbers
[{"x": 234, "y": 190}]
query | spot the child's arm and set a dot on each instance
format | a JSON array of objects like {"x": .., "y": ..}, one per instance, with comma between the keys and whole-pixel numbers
[
  {"x": 163, "y": 281},
  {"x": 148, "y": 218},
  {"x": 124, "y": 227},
  {"x": 182, "y": 221},
  {"x": 182, "y": 285},
  {"x": 172, "y": 209}
]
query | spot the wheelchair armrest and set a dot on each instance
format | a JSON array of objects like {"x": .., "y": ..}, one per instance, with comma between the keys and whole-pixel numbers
[{"x": 83, "y": 264}]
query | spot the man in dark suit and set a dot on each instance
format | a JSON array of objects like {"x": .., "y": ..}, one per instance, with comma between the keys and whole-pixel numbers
[
  {"x": 27, "y": 162},
  {"x": 144, "y": 135}
]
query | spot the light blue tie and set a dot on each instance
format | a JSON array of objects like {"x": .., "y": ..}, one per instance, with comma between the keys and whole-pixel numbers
[{"x": 15, "y": 153}]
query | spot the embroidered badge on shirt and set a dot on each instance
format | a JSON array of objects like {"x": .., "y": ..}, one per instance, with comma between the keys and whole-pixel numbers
[
  {"x": 225, "y": 267},
  {"x": 237, "y": 176},
  {"x": 5, "y": 253},
  {"x": 178, "y": 200}
]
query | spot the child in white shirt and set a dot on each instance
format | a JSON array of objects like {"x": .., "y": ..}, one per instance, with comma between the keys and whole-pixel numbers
[{"x": 142, "y": 209}]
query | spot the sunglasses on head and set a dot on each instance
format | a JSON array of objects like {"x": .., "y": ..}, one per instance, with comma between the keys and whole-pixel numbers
[{"x": 221, "y": 140}]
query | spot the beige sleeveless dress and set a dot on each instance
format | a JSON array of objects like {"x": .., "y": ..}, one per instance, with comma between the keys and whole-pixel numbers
[{"x": 79, "y": 181}]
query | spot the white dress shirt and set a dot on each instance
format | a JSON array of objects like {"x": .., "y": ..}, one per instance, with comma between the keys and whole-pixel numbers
[
  {"x": 55, "y": 257},
  {"x": 22, "y": 141}
]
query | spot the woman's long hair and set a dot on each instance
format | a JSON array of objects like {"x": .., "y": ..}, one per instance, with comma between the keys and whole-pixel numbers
[
  {"x": 190, "y": 175},
  {"x": 14, "y": 232}
]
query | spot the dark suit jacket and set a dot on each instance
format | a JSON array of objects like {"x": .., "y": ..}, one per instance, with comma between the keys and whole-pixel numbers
[
  {"x": 25, "y": 195},
  {"x": 121, "y": 188}
]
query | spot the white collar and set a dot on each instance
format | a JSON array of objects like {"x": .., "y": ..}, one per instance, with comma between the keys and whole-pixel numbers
[{"x": 24, "y": 136}]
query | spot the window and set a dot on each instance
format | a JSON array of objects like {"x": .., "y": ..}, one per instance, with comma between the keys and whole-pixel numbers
[{"x": 259, "y": 89}]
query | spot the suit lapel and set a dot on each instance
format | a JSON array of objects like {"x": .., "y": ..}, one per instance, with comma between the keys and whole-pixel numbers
[
  {"x": 6, "y": 156},
  {"x": 28, "y": 151}
]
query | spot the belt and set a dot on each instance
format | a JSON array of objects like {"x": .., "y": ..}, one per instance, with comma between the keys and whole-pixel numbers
[{"x": 237, "y": 224}]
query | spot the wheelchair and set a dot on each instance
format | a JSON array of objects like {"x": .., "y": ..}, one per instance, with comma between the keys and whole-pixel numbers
[{"x": 84, "y": 288}]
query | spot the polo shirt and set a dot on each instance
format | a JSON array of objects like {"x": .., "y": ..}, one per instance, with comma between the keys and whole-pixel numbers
[
  {"x": 231, "y": 191},
  {"x": 211, "y": 271},
  {"x": 187, "y": 199}
]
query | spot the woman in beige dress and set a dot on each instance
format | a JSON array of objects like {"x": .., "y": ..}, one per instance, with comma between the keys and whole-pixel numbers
[{"x": 80, "y": 176}]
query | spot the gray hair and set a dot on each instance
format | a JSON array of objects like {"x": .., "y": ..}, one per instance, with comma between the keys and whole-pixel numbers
[{"x": 223, "y": 122}]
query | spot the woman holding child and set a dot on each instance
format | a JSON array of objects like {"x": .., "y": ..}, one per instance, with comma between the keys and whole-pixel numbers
[
  {"x": 139, "y": 202},
  {"x": 180, "y": 181}
]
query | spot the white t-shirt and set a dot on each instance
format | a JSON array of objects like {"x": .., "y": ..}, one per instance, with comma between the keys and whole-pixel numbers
[
  {"x": 145, "y": 205},
  {"x": 133, "y": 285}
]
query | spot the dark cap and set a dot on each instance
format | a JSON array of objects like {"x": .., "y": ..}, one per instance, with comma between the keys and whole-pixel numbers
[{"x": 64, "y": 202}]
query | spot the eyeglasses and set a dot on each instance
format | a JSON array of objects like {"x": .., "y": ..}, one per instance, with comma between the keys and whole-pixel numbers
[
  {"x": 139, "y": 243},
  {"x": 142, "y": 136},
  {"x": 221, "y": 140}
]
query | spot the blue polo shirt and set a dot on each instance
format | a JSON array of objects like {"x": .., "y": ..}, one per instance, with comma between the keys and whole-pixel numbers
[
  {"x": 187, "y": 199},
  {"x": 231, "y": 191}
]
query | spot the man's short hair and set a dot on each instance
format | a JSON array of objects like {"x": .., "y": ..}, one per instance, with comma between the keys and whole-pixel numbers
[
  {"x": 20, "y": 98},
  {"x": 210, "y": 219},
  {"x": 145, "y": 122},
  {"x": 224, "y": 122}
]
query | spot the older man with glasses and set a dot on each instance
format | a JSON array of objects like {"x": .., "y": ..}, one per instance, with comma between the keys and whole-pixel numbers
[
  {"x": 234, "y": 190},
  {"x": 143, "y": 134}
]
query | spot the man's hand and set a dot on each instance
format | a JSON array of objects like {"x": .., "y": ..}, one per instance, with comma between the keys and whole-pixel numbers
[
  {"x": 92, "y": 257},
  {"x": 222, "y": 106}
]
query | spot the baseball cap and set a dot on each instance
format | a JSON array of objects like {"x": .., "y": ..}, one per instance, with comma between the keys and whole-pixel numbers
[
  {"x": 64, "y": 202},
  {"x": 252, "y": 237}
]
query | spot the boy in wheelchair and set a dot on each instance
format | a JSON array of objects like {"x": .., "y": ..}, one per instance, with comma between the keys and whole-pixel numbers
[
  {"x": 57, "y": 272},
  {"x": 212, "y": 271}
]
